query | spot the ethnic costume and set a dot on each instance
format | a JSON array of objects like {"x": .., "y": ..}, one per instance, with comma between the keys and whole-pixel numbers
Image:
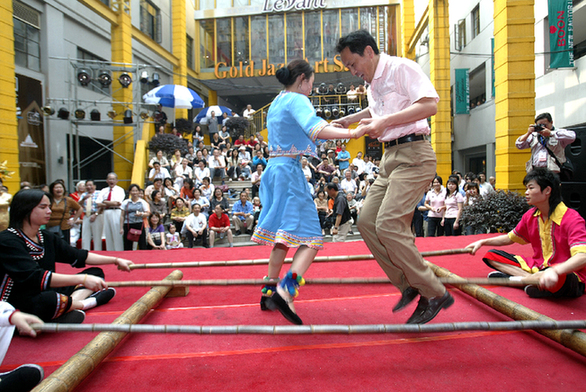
[
  {"x": 289, "y": 215},
  {"x": 554, "y": 241},
  {"x": 26, "y": 270}
]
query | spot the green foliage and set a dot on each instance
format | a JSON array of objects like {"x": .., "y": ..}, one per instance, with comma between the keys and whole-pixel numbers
[
  {"x": 168, "y": 143},
  {"x": 499, "y": 212},
  {"x": 237, "y": 126}
]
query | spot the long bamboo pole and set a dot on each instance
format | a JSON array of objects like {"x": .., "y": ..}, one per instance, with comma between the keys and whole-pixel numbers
[
  {"x": 238, "y": 282},
  {"x": 315, "y": 329},
  {"x": 80, "y": 365},
  {"x": 321, "y": 259},
  {"x": 572, "y": 339}
]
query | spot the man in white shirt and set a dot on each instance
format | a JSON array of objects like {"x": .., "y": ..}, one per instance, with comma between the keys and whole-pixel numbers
[
  {"x": 359, "y": 163},
  {"x": 368, "y": 165},
  {"x": 158, "y": 172},
  {"x": 182, "y": 172},
  {"x": 255, "y": 179},
  {"x": 93, "y": 220},
  {"x": 112, "y": 197},
  {"x": 217, "y": 165},
  {"x": 195, "y": 227},
  {"x": 247, "y": 114},
  {"x": 348, "y": 185}
]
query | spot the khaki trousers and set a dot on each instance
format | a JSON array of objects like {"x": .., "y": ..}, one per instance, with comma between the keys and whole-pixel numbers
[{"x": 406, "y": 171}]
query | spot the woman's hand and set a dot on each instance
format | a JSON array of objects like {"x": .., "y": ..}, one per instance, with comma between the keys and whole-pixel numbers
[
  {"x": 123, "y": 264},
  {"x": 93, "y": 283}
]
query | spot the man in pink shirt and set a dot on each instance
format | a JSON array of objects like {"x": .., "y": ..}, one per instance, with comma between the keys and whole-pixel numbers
[
  {"x": 557, "y": 235},
  {"x": 400, "y": 99}
]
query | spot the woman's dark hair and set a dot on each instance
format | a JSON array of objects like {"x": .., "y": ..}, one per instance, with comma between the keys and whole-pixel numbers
[
  {"x": 132, "y": 186},
  {"x": 206, "y": 179},
  {"x": 154, "y": 213},
  {"x": 544, "y": 178},
  {"x": 188, "y": 181},
  {"x": 473, "y": 185},
  {"x": 22, "y": 205},
  {"x": 53, "y": 185},
  {"x": 439, "y": 179},
  {"x": 154, "y": 194},
  {"x": 455, "y": 182},
  {"x": 179, "y": 198},
  {"x": 356, "y": 42},
  {"x": 287, "y": 75},
  {"x": 168, "y": 179},
  {"x": 218, "y": 189}
]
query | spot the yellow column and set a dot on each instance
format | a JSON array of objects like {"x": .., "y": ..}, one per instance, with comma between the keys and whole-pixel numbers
[
  {"x": 514, "y": 87},
  {"x": 212, "y": 97},
  {"x": 439, "y": 62},
  {"x": 8, "y": 123},
  {"x": 407, "y": 27},
  {"x": 122, "y": 53},
  {"x": 179, "y": 17}
]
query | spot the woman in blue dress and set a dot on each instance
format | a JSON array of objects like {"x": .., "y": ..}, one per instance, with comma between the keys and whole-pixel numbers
[{"x": 289, "y": 217}]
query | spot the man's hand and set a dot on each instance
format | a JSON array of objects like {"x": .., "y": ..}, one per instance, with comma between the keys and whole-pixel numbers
[
  {"x": 475, "y": 246},
  {"x": 548, "y": 278},
  {"x": 22, "y": 322},
  {"x": 374, "y": 127}
]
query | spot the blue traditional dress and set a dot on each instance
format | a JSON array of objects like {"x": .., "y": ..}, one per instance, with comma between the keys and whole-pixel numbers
[{"x": 289, "y": 215}]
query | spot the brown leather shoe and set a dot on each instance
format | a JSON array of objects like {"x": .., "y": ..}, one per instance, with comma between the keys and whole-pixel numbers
[
  {"x": 427, "y": 309},
  {"x": 406, "y": 297}
]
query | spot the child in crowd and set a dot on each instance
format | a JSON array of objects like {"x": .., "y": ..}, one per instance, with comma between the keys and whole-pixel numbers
[{"x": 173, "y": 238}]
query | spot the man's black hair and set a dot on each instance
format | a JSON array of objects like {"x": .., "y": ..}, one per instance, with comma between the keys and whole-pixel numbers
[
  {"x": 356, "y": 42},
  {"x": 546, "y": 178},
  {"x": 546, "y": 115}
]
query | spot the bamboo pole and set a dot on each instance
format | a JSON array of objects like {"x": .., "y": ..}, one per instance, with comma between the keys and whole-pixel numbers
[
  {"x": 315, "y": 329},
  {"x": 572, "y": 339},
  {"x": 80, "y": 365},
  {"x": 238, "y": 282},
  {"x": 322, "y": 259}
]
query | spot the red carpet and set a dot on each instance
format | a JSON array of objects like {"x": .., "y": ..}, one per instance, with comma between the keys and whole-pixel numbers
[{"x": 507, "y": 361}]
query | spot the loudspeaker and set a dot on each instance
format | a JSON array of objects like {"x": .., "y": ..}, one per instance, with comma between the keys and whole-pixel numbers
[
  {"x": 574, "y": 196},
  {"x": 576, "y": 153}
]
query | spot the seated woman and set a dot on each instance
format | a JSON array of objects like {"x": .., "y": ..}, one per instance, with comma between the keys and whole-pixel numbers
[
  {"x": 207, "y": 188},
  {"x": 179, "y": 213},
  {"x": 155, "y": 232},
  {"x": 27, "y": 266},
  {"x": 158, "y": 205},
  {"x": 219, "y": 198},
  {"x": 187, "y": 189}
]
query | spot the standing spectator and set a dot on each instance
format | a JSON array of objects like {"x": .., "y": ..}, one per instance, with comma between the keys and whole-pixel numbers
[
  {"x": 453, "y": 211},
  {"x": 420, "y": 218},
  {"x": 173, "y": 238},
  {"x": 547, "y": 144},
  {"x": 79, "y": 189},
  {"x": 343, "y": 158},
  {"x": 213, "y": 124},
  {"x": 321, "y": 203},
  {"x": 341, "y": 214},
  {"x": 326, "y": 169},
  {"x": 93, "y": 220},
  {"x": 132, "y": 212},
  {"x": 5, "y": 199},
  {"x": 242, "y": 215},
  {"x": 61, "y": 219},
  {"x": 472, "y": 196},
  {"x": 179, "y": 213},
  {"x": 255, "y": 179},
  {"x": 248, "y": 114},
  {"x": 225, "y": 119},
  {"x": 485, "y": 187},
  {"x": 217, "y": 165},
  {"x": 359, "y": 163},
  {"x": 75, "y": 231},
  {"x": 195, "y": 227},
  {"x": 435, "y": 202},
  {"x": 155, "y": 232},
  {"x": 158, "y": 172},
  {"x": 112, "y": 197},
  {"x": 219, "y": 223},
  {"x": 159, "y": 157}
]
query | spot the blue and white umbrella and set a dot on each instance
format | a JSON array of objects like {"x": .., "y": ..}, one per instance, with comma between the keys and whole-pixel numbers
[
  {"x": 206, "y": 114},
  {"x": 174, "y": 96}
]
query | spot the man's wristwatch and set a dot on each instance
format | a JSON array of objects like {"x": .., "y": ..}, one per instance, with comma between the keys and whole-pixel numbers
[{"x": 336, "y": 227}]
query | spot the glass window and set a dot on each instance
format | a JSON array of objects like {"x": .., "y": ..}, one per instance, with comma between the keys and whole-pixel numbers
[
  {"x": 206, "y": 37},
  {"x": 313, "y": 37},
  {"x": 258, "y": 43},
  {"x": 276, "y": 39},
  {"x": 331, "y": 33},
  {"x": 150, "y": 20},
  {"x": 349, "y": 20},
  {"x": 241, "y": 40},
  {"x": 368, "y": 20},
  {"x": 206, "y": 4},
  {"x": 294, "y": 36},
  {"x": 189, "y": 52},
  {"x": 223, "y": 4},
  {"x": 27, "y": 51},
  {"x": 224, "y": 47},
  {"x": 475, "y": 21}
]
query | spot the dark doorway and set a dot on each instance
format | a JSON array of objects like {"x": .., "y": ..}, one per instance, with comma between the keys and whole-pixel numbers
[
  {"x": 477, "y": 165},
  {"x": 96, "y": 161}
]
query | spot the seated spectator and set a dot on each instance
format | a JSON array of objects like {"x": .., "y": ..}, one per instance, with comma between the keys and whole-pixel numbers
[
  {"x": 352, "y": 169},
  {"x": 195, "y": 227},
  {"x": 255, "y": 179},
  {"x": 336, "y": 181},
  {"x": 199, "y": 173},
  {"x": 244, "y": 163},
  {"x": 259, "y": 159},
  {"x": 158, "y": 172},
  {"x": 219, "y": 199},
  {"x": 240, "y": 142},
  {"x": 232, "y": 168},
  {"x": 219, "y": 224},
  {"x": 256, "y": 209},
  {"x": 319, "y": 186},
  {"x": 207, "y": 188},
  {"x": 321, "y": 203},
  {"x": 307, "y": 171},
  {"x": 341, "y": 214},
  {"x": 326, "y": 169},
  {"x": 190, "y": 156},
  {"x": 368, "y": 165},
  {"x": 159, "y": 157},
  {"x": 182, "y": 172},
  {"x": 199, "y": 158},
  {"x": 242, "y": 214},
  {"x": 224, "y": 136},
  {"x": 179, "y": 213},
  {"x": 157, "y": 185},
  {"x": 351, "y": 94},
  {"x": 155, "y": 232},
  {"x": 173, "y": 238},
  {"x": 158, "y": 205},
  {"x": 176, "y": 159},
  {"x": 197, "y": 135},
  {"x": 348, "y": 185},
  {"x": 202, "y": 201},
  {"x": 171, "y": 192},
  {"x": 187, "y": 189},
  {"x": 354, "y": 208},
  {"x": 217, "y": 165},
  {"x": 215, "y": 141}
]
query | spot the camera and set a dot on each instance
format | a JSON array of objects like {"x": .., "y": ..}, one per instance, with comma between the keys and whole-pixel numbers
[{"x": 539, "y": 127}]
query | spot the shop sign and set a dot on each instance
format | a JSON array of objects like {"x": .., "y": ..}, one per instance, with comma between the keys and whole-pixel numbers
[
  {"x": 248, "y": 71},
  {"x": 292, "y": 5}
]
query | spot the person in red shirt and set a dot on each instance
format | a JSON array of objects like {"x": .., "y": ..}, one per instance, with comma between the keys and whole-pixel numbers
[
  {"x": 240, "y": 142},
  {"x": 219, "y": 224}
]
